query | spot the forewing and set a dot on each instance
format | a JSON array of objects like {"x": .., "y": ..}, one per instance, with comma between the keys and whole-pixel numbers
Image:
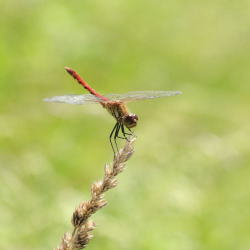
[
  {"x": 141, "y": 95},
  {"x": 74, "y": 99}
]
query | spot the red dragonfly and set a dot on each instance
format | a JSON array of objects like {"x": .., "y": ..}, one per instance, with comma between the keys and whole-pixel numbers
[{"x": 113, "y": 103}]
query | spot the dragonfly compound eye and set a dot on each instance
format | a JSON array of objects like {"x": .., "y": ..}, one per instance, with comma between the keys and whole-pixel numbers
[{"x": 130, "y": 121}]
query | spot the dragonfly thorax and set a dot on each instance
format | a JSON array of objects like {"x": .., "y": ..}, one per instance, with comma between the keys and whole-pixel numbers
[{"x": 120, "y": 112}]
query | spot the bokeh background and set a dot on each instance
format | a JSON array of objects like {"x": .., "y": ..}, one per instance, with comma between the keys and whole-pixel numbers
[{"x": 187, "y": 185}]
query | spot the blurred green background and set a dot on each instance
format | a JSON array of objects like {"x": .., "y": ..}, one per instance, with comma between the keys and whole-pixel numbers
[{"x": 187, "y": 185}]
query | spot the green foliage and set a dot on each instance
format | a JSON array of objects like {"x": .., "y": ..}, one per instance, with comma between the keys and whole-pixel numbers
[{"x": 186, "y": 186}]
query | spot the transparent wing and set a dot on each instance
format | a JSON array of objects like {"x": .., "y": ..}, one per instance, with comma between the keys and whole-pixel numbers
[
  {"x": 74, "y": 99},
  {"x": 141, "y": 95},
  {"x": 128, "y": 97}
]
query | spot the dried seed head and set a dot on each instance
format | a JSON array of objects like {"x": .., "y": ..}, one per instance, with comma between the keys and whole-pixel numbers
[
  {"x": 107, "y": 170},
  {"x": 65, "y": 244},
  {"x": 80, "y": 215},
  {"x": 83, "y": 227},
  {"x": 96, "y": 188},
  {"x": 84, "y": 235}
]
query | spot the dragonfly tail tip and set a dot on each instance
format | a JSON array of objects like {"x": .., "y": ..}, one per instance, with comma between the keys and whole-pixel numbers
[{"x": 69, "y": 70}]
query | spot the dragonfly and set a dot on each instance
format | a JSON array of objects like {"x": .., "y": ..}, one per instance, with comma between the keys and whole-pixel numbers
[{"x": 115, "y": 104}]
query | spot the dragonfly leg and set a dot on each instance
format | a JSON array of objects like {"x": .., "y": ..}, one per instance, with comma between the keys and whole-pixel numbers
[
  {"x": 124, "y": 133},
  {"x": 111, "y": 135},
  {"x": 131, "y": 132},
  {"x": 120, "y": 137},
  {"x": 116, "y": 135},
  {"x": 124, "y": 137}
]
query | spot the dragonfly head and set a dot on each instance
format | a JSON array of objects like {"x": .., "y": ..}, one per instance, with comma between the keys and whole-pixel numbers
[{"x": 130, "y": 120}]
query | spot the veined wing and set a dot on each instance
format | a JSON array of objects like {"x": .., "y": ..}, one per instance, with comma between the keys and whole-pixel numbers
[
  {"x": 141, "y": 95},
  {"x": 130, "y": 96},
  {"x": 74, "y": 99}
]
